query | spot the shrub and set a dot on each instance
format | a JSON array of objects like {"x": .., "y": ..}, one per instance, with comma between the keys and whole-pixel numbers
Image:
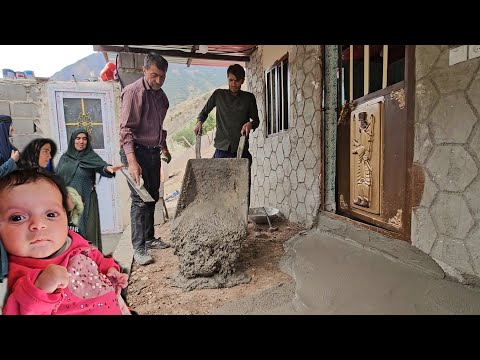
[{"x": 187, "y": 131}]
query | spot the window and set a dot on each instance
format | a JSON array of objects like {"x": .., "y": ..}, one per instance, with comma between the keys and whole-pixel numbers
[
  {"x": 277, "y": 96},
  {"x": 381, "y": 65},
  {"x": 85, "y": 113}
]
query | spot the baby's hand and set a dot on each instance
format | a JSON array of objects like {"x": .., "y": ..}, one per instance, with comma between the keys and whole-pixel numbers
[
  {"x": 15, "y": 155},
  {"x": 52, "y": 278},
  {"x": 118, "y": 279}
]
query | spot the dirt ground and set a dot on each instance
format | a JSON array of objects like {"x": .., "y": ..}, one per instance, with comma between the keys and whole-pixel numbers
[
  {"x": 148, "y": 291},
  {"x": 149, "y": 294}
]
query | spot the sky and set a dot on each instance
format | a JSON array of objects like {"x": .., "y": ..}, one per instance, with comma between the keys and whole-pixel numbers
[{"x": 43, "y": 60}]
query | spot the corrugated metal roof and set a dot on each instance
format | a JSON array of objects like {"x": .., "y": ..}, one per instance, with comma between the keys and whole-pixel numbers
[{"x": 207, "y": 55}]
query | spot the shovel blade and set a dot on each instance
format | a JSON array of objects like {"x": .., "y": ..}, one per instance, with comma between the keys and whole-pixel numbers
[{"x": 141, "y": 191}]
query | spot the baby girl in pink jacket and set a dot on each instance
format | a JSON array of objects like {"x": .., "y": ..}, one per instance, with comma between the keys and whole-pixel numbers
[{"x": 52, "y": 270}]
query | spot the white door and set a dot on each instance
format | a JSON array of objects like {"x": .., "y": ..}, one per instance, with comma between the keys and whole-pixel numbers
[{"x": 90, "y": 106}]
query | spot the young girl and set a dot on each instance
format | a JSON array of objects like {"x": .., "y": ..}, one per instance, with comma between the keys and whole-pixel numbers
[
  {"x": 39, "y": 154},
  {"x": 52, "y": 270}
]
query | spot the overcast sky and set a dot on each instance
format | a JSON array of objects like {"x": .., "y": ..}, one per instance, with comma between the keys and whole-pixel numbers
[{"x": 43, "y": 60}]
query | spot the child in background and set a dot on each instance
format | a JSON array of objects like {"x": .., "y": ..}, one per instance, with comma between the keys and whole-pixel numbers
[
  {"x": 39, "y": 154},
  {"x": 52, "y": 270}
]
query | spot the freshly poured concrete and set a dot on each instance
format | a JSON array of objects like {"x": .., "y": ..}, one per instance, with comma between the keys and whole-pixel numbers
[
  {"x": 337, "y": 276},
  {"x": 210, "y": 223}
]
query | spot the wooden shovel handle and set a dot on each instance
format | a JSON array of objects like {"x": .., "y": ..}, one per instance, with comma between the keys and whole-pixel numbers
[
  {"x": 241, "y": 145},
  {"x": 198, "y": 146}
]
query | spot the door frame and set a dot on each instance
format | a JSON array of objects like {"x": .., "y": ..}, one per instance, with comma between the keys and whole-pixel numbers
[
  {"x": 409, "y": 88},
  {"x": 103, "y": 91}
]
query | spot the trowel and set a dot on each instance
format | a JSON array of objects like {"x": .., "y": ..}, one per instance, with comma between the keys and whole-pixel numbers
[{"x": 139, "y": 189}]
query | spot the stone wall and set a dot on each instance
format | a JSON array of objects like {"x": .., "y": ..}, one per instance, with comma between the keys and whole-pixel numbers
[
  {"x": 446, "y": 222},
  {"x": 286, "y": 166},
  {"x": 26, "y": 102}
]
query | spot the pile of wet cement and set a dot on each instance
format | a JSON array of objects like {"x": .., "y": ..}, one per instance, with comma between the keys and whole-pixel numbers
[{"x": 208, "y": 238}]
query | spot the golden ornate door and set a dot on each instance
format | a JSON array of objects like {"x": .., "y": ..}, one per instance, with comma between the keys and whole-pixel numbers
[{"x": 374, "y": 144}]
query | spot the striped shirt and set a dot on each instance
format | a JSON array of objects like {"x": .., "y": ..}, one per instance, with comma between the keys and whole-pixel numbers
[{"x": 141, "y": 119}]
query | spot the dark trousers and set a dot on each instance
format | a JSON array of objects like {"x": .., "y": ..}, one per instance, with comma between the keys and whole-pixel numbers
[
  {"x": 142, "y": 214},
  {"x": 218, "y": 154}
]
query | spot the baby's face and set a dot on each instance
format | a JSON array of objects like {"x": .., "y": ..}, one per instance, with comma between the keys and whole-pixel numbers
[{"x": 33, "y": 222}]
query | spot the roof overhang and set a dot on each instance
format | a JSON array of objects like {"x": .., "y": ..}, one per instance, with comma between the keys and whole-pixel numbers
[{"x": 207, "y": 55}]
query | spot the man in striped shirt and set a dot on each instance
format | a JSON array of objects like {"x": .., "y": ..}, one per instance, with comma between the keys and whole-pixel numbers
[{"x": 142, "y": 139}]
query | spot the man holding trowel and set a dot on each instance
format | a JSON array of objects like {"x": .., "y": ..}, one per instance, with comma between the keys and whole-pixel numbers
[
  {"x": 142, "y": 140},
  {"x": 236, "y": 115}
]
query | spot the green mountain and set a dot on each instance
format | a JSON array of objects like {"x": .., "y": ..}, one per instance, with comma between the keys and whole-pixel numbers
[
  {"x": 181, "y": 84},
  {"x": 185, "y": 82}
]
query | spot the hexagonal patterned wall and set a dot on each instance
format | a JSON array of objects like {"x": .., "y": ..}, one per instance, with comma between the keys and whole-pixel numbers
[
  {"x": 286, "y": 166},
  {"x": 446, "y": 224}
]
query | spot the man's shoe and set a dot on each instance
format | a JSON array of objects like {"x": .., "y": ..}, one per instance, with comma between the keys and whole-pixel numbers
[
  {"x": 142, "y": 258},
  {"x": 157, "y": 244}
]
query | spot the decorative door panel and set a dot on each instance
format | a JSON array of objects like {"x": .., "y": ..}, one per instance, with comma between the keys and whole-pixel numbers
[
  {"x": 366, "y": 157},
  {"x": 373, "y": 138},
  {"x": 89, "y": 106}
]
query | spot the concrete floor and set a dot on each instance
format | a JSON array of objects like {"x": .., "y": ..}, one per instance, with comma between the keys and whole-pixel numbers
[
  {"x": 110, "y": 242},
  {"x": 339, "y": 268}
]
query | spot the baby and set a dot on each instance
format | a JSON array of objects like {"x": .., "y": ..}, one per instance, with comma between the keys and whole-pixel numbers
[{"x": 52, "y": 270}]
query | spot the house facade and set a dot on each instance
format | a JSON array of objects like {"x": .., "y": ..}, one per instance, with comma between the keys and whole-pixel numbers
[
  {"x": 53, "y": 109},
  {"x": 388, "y": 136}
]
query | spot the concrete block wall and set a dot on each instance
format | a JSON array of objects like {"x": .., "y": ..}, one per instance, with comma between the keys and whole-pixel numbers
[
  {"x": 130, "y": 67},
  {"x": 446, "y": 222},
  {"x": 286, "y": 167},
  {"x": 121, "y": 183},
  {"x": 26, "y": 102}
]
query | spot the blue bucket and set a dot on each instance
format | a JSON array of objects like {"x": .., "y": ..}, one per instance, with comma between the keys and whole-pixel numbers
[
  {"x": 29, "y": 74},
  {"x": 8, "y": 74}
]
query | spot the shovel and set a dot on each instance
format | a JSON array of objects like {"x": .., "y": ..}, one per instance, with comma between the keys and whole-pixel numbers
[
  {"x": 271, "y": 228},
  {"x": 198, "y": 146},
  {"x": 139, "y": 189}
]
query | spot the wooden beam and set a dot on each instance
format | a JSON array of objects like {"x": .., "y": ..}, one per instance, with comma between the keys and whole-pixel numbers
[
  {"x": 194, "y": 50},
  {"x": 351, "y": 73},
  {"x": 385, "y": 66},
  {"x": 172, "y": 53},
  {"x": 366, "y": 69}
]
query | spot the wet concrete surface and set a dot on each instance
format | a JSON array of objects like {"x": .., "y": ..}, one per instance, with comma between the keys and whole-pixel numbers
[
  {"x": 334, "y": 276},
  {"x": 210, "y": 223}
]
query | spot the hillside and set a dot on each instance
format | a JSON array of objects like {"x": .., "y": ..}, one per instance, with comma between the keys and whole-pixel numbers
[
  {"x": 181, "y": 84},
  {"x": 185, "y": 82},
  {"x": 180, "y": 115},
  {"x": 81, "y": 69}
]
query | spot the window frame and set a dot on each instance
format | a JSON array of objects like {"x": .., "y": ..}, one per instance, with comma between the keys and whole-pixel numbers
[{"x": 277, "y": 102}]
